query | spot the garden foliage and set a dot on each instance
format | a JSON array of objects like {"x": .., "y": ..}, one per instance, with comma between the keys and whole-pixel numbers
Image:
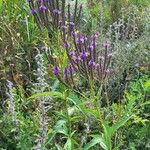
[{"x": 74, "y": 75}]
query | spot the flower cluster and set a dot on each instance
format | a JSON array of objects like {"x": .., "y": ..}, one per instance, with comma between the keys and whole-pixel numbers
[
  {"x": 54, "y": 15},
  {"x": 85, "y": 59}
]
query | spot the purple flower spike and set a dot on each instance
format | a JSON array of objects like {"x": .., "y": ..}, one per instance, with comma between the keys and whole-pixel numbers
[
  {"x": 33, "y": 11},
  {"x": 84, "y": 54},
  {"x": 66, "y": 44},
  {"x": 56, "y": 12},
  {"x": 77, "y": 59},
  {"x": 106, "y": 45},
  {"x": 71, "y": 25},
  {"x": 66, "y": 71},
  {"x": 91, "y": 63},
  {"x": 90, "y": 47},
  {"x": 73, "y": 33},
  {"x": 80, "y": 40},
  {"x": 38, "y": 1},
  {"x": 95, "y": 35},
  {"x": 42, "y": 8},
  {"x": 70, "y": 68},
  {"x": 71, "y": 53},
  {"x": 56, "y": 70}
]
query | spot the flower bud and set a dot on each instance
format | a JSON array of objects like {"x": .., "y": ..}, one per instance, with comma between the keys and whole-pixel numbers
[
  {"x": 42, "y": 8},
  {"x": 91, "y": 63},
  {"x": 56, "y": 70}
]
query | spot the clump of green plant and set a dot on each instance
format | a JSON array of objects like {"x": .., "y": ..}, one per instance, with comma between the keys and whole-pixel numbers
[
  {"x": 74, "y": 108},
  {"x": 84, "y": 124}
]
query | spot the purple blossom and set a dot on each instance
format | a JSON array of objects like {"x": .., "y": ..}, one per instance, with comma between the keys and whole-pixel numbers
[
  {"x": 66, "y": 71},
  {"x": 71, "y": 53},
  {"x": 80, "y": 40},
  {"x": 56, "y": 70},
  {"x": 66, "y": 44},
  {"x": 94, "y": 36},
  {"x": 42, "y": 8},
  {"x": 84, "y": 54},
  {"x": 106, "y": 45},
  {"x": 90, "y": 47},
  {"x": 33, "y": 11},
  {"x": 77, "y": 59},
  {"x": 97, "y": 66},
  {"x": 71, "y": 25},
  {"x": 38, "y": 1},
  {"x": 73, "y": 33},
  {"x": 56, "y": 12},
  {"x": 70, "y": 68},
  {"x": 91, "y": 63}
]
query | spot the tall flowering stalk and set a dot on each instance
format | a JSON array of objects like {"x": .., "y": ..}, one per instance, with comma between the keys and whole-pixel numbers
[
  {"x": 44, "y": 103},
  {"x": 11, "y": 102},
  {"x": 85, "y": 60},
  {"x": 54, "y": 15}
]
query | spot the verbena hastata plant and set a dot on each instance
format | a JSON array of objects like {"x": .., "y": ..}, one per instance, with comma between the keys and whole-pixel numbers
[
  {"x": 43, "y": 103},
  {"x": 80, "y": 125},
  {"x": 85, "y": 62},
  {"x": 56, "y": 15}
]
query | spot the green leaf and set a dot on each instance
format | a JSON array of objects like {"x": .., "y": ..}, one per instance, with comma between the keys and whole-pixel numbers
[
  {"x": 68, "y": 144},
  {"x": 60, "y": 127},
  {"x": 51, "y": 135},
  {"x": 107, "y": 135},
  {"x": 147, "y": 85},
  {"x": 93, "y": 112},
  {"x": 120, "y": 123},
  {"x": 146, "y": 103},
  {"x": 43, "y": 94},
  {"x": 96, "y": 140},
  {"x": 59, "y": 147},
  {"x": 77, "y": 102}
]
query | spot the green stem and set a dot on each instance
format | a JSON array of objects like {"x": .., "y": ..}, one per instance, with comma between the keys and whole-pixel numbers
[{"x": 68, "y": 117}]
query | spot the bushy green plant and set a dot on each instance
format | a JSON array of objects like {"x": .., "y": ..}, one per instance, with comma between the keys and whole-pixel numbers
[{"x": 38, "y": 111}]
